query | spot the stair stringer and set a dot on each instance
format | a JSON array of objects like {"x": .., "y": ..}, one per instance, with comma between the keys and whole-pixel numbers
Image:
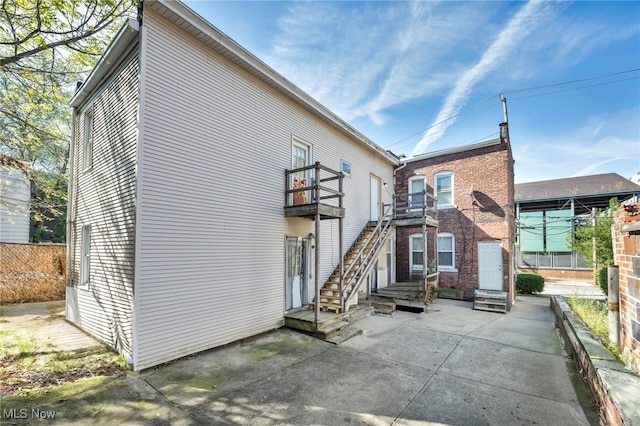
[{"x": 371, "y": 256}]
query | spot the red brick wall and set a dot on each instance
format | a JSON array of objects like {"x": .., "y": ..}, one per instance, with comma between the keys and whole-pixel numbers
[
  {"x": 489, "y": 171},
  {"x": 627, "y": 257}
]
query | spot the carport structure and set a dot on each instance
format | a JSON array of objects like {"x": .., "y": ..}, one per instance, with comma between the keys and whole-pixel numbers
[{"x": 547, "y": 212}]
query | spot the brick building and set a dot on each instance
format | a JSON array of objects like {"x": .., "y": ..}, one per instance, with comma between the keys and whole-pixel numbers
[
  {"x": 626, "y": 243},
  {"x": 474, "y": 185}
]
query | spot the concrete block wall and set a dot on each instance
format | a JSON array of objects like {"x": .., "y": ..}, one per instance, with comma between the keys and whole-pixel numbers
[
  {"x": 488, "y": 171},
  {"x": 626, "y": 234}
]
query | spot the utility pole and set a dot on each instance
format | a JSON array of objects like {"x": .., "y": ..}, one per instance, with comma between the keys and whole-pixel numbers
[{"x": 504, "y": 108}]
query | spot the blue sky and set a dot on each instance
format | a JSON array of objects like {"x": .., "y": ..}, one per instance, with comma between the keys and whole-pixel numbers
[{"x": 423, "y": 76}]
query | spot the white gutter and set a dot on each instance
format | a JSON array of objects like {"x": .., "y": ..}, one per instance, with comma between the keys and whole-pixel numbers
[{"x": 110, "y": 59}]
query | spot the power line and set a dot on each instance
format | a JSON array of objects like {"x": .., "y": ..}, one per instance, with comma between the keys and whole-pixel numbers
[
  {"x": 442, "y": 121},
  {"x": 575, "y": 88},
  {"x": 526, "y": 89}
]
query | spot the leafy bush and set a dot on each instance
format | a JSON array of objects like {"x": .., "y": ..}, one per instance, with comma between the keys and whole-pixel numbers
[
  {"x": 529, "y": 283},
  {"x": 603, "y": 279}
]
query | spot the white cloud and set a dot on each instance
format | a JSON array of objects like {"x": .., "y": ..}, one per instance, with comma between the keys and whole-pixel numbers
[
  {"x": 524, "y": 21},
  {"x": 360, "y": 59},
  {"x": 603, "y": 144}
]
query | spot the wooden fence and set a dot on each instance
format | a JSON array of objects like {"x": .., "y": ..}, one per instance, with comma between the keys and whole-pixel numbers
[{"x": 32, "y": 272}]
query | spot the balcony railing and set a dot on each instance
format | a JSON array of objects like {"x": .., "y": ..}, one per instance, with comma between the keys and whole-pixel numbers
[
  {"x": 314, "y": 188},
  {"x": 416, "y": 205}
]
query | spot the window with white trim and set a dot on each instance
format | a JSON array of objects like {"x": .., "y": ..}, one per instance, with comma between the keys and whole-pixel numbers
[
  {"x": 417, "y": 184},
  {"x": 443, "y": 189},
  {"x": 345, "y": 167},
  {"x": 416, "y": 250},
  {"x": 446, "y": 251},
  {"x": 87, "y": 141},
  {"x": 85, "y": 249}
]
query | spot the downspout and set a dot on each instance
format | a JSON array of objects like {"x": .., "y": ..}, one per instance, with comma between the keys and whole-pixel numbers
[
  {"x": 393, "y": 201},
  {"x": 394, "y": 175},
  {"x": 70, "y": 197}
]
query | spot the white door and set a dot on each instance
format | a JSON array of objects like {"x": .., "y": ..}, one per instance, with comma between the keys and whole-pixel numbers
[
  {"x": 301, "y": 157},
  {"x": 490, "y": 265},
  {"x": 296, "y": 284},
  {"x": 375, "y": 198}
]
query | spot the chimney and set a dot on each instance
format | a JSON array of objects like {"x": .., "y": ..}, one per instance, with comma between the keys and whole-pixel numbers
[{"x": 504, "y": 133}]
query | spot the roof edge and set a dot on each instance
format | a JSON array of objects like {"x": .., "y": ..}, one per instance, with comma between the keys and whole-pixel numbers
[
  {"x": 453, "y": 150},
  {"x": 110, "y": 58},
  {"x": 250, "y": 62}
]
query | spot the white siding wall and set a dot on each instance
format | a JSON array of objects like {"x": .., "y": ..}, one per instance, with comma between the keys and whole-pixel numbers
[
  {"x": 215, "y": 142},
  {"x": 15, "y": 194},
  {"x": 104, "y": 197}
]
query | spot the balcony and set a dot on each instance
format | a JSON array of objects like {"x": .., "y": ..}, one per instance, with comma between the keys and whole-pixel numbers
[
  {"x": 415, "y": 209},
  {"x": 313, "y": 191}
]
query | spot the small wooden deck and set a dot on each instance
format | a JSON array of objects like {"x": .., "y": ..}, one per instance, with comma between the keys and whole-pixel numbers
[
  {"x": 415, "y": 221},
  {"x": 409, "y": 296},
  {"x": 331, "y": 327},
  {"x": 326, "y": 211}
]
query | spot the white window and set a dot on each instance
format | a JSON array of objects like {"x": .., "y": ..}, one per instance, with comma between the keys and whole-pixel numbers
[
  {"x": 85, "y": 249},
  {"x": 87, "y": 142},
  {"x": 416, "y": 255},
  {"x": 345, "y": 167},
  {"x": 417, "y": 186},
  {"x": 444, "y": 189},
  {"x": 446, "y": 251}
]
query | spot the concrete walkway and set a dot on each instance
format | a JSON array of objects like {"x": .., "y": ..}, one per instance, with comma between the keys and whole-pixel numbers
[
  {"x": 451, "y": 365},
  {"x": 572, "y": 287}
]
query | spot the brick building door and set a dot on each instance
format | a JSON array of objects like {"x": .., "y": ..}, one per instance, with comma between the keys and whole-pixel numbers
[{"x": 490, "y": 265}]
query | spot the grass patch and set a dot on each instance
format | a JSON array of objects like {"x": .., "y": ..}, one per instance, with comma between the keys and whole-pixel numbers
[
  {"x": 25, "y": 366},
  {"x": 594, "y": 315}
]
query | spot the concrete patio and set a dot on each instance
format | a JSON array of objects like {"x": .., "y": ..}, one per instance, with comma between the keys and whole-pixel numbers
[{"x": 450, "y": 365}]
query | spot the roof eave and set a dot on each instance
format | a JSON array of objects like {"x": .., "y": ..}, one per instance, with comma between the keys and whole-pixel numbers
[
  {"x": 565, "y": 197},
  {"x": 111, "y": 57},
  {"x": 452, "y": 150}
]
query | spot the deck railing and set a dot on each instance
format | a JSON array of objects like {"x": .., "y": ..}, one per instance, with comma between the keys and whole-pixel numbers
[
  {"x": 313, "y": 184},
  {"x": 416, "y": 204}
]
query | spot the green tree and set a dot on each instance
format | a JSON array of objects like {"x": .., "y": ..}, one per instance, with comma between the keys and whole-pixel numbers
[
  {"x": 46, "y": 46},
  {"x": 590, "y": 237}
]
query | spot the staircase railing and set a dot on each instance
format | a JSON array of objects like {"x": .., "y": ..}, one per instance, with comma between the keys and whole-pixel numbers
[{"x": 363, "y": 258}]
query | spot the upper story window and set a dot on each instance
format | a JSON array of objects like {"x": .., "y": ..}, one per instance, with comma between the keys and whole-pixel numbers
[
  {"x": 417, "y": 186},
  {"x": 444, "y": 189},
  {"x": 446, "y": 251},
  {"x": 345, "y": 167},
  {"x": 87, "y": 141}
]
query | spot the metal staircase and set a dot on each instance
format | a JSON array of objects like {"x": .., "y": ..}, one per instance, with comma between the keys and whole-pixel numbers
[{"x": 338, "y": 292}]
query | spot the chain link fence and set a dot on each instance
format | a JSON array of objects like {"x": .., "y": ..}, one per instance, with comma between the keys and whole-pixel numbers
[{"x": 32, "y": 272}]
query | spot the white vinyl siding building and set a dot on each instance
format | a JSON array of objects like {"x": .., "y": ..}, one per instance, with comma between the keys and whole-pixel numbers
[
  {"x": 15, "y": 196},
  {"x": 102, "y": 210},
  {"x": 203, "y": 200}
]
